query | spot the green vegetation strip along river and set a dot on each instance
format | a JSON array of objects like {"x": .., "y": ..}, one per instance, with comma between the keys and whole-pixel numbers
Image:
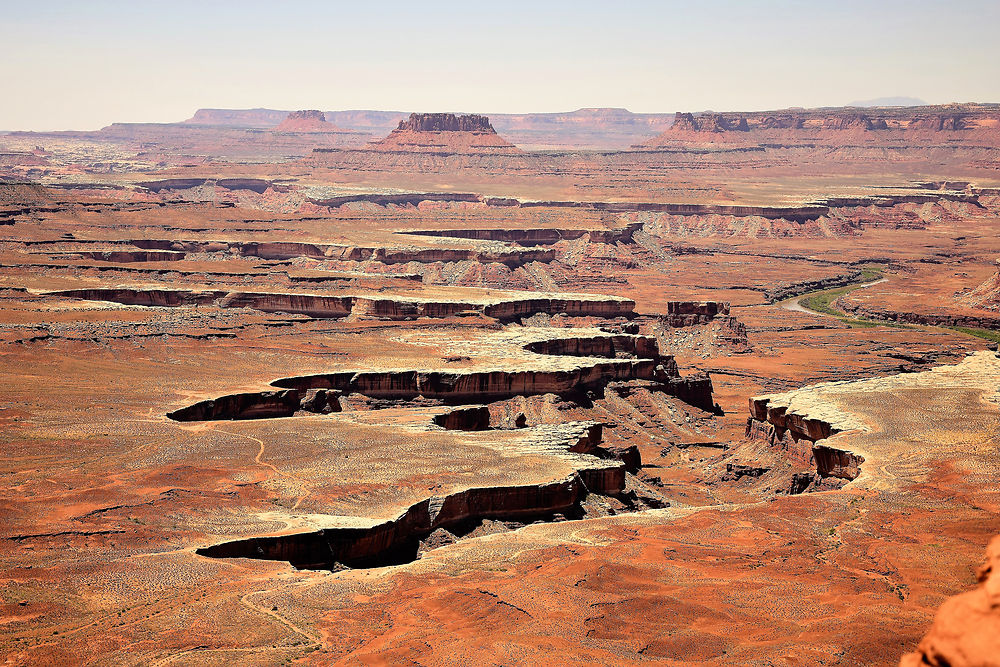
[{"x": 823, "y": 302}]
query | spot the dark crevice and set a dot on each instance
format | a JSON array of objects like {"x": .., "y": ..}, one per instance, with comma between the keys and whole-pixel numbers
[
  {"x": 579, "y": 385},
  {"x": 436, "y": 522}
]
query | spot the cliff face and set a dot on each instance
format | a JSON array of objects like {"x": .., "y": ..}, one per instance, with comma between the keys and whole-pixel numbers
[
  {"x": 600, "y": 129},
  {"x": 796, "y": 435},
  {"x": 939, "y": 122},
  {"x": 537, "y": 236},
  {"x": 710, "y": 122},
  {"x": 397, "y": 540},
  {"x": 126, "y": 256},
  {"x": 511, "y": 256},
  {"x": 472, "y": 386},
  {"x": 854, "y": 121},
  {"x": 144, "y": 297}
]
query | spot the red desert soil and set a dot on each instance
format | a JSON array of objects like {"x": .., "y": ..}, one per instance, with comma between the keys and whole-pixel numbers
[
  {"x": 966, "y": 630},
  {"x": 444, "y": 400}
]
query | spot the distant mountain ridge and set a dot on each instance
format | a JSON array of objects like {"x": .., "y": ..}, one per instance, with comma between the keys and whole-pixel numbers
[
  {"x": 971, "y": 122},
  {"x": 890, "y": 102},
  {"x": 593, "y": 128}
]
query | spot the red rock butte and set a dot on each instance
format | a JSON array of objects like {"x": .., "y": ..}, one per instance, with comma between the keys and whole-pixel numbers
[
  {"x": 307, "y": 121},
  {"x": 445, "y": 133}
]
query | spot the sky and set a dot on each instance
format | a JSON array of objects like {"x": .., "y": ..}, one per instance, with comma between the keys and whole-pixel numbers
[{"x": 83, "y": 65}]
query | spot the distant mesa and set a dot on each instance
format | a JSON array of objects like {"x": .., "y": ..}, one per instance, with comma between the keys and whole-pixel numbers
[
  {"x": 964, "y": 121},
  {"x": 307, "y": 121},
  {"x": 445, "y": 133},
  {"x": 889, "y": 102},
  {"x": 237, "y": 117}
]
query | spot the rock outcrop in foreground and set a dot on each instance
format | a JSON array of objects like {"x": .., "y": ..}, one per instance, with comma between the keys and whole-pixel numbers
[
  {"x": 966, "y": 632},
  {"x": 445, "y": 133}
]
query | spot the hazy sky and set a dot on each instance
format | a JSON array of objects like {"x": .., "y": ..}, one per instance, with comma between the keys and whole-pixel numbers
[{"x": 82, "y": 65}]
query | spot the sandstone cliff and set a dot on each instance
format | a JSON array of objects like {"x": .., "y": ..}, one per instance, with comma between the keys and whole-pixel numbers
[{"x": 796, "y": 435}]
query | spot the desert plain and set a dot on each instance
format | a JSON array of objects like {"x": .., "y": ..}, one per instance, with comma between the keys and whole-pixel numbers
[{"x": 444, "y": 389}]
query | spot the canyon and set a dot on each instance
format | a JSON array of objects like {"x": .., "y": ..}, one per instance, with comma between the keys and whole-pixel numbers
[{"x": 596, "y": 387}]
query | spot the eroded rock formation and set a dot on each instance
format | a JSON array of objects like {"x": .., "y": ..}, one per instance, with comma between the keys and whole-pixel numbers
[
  {"x": 796, "y": 436},
  {"x": 691, "y": 313},
  {"x": 133, "y": 255},
  {"x": 279, "y": 250},
  {"x": 986, "y": 295}
]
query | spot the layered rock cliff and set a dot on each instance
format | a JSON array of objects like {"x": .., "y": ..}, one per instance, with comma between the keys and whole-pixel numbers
[
  {"x": 796, "y": 435},
  {"x": 536, "y": 236},
  {"x": 280, "y": 250},
  {"x": 986, "y": 295}
]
